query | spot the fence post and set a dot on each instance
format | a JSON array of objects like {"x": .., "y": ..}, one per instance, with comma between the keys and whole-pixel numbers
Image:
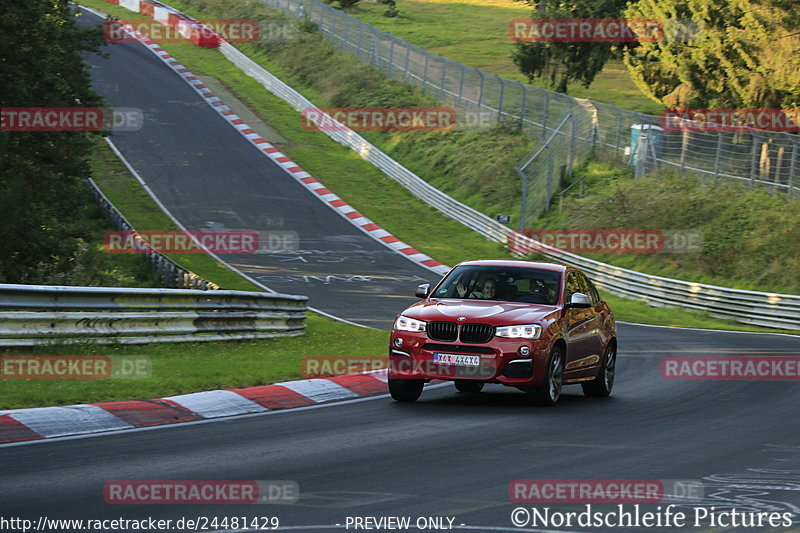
[
  {"x": 684, "y": 144},
  {"x": 374, "y": 49},
  {"x": 753, "y": 156},
  {"x": 360, "y": 43},
  {"x": 408, "y": 60},
  {"x": 444, "y": 73},
  {"x": 718, "y": 154},
  {"x": 523, "y": 203},
  {"x": 641, "y": 154},
  {"x": 793, "y": 168},
  {"x": 425, "y": 72},
  {"x": 500, "y": 99},
  {"x": 619, "y": 150},
  {"x": 480, "y": 90},
  {"x": 461, "y": 84},
  {"x": 522, "y": 107},
  {"x": 572, "y": 141},
  {"x": 391, "y": 59},
  {"x": 546, "y": 111},
  {"x": 549, "y": 179}
]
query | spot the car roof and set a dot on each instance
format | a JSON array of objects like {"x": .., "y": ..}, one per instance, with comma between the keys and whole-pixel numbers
[{"x": 555, "y": 267}]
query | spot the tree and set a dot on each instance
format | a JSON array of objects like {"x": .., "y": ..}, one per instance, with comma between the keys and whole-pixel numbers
[
  {"x": 562, "y": 62},
  {"x": 740, "y": 53},
  {"x": 41, "y": 173}
]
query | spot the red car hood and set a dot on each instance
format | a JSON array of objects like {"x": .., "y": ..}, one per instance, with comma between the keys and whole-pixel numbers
[{"x": 485, "y": 312}]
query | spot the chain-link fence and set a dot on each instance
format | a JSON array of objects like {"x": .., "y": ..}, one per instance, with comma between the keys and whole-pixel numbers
[{"x": 569, "y": 128}]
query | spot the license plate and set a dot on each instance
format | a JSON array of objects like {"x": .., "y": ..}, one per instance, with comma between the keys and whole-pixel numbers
[{"x": 457, "y": 359}]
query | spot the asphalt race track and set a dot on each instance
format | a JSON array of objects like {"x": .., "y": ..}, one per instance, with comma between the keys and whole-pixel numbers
[
  {"x": 448, "y": 455},
  {"x": 210, "y": 177}
]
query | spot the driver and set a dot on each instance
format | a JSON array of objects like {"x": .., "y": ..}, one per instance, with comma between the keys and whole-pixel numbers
[{"x": 538, "y": 287}]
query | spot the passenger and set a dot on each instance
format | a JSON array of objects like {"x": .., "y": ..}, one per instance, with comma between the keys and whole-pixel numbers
[{"x": 489, "y": 290}]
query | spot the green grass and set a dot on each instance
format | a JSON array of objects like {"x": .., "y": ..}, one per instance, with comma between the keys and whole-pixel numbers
[
  {"x": 189, "y": 367},
  {"x": 180, "y": 368},
  {"x": 475, "y": 33},
  {"x": 750, "y": 235},
  {"x": 358, "y": 182}
]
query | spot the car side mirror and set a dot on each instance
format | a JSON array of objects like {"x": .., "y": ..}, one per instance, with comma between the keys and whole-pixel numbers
[
  {"x": 423, "y": 290},
  {"x": 579, "y": 301}
]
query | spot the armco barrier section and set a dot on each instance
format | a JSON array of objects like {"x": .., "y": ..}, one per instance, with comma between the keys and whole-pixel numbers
[
  {"x": 43, "y": 314},
  {"x": 171, "y": 273},
  {"x": 780, "y": 311}
]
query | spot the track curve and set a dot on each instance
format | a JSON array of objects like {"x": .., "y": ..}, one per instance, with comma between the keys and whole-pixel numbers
[{"x": 447, "y": 455}]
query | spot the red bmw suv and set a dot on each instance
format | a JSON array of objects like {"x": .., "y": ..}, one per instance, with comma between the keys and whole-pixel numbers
[{"x": 533, "y": 326}]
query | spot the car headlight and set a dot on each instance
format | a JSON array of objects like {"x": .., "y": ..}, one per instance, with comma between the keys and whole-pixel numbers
[
  {"x": 525, "y": 331},
  {"x": 404, "y": 323}
]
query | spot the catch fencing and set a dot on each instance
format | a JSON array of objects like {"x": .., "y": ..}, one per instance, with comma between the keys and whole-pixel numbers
[
  {"x": 611, "y": 133},
  {"x": 750, "y": 307}
]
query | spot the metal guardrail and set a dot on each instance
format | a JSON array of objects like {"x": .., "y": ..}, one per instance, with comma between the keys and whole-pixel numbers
[
  {"x": 750, "y": 307},
  {"x": 42, "y": 314},
  {"x": 171, "y": 273}
]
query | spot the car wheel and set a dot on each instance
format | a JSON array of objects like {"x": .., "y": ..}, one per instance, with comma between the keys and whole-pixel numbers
[
  {"x": 468, "y": 386},
  {"x": 601, "y": 385},
  {"x": 406, "y": 390},
  {"x": 549, "y": 391}
]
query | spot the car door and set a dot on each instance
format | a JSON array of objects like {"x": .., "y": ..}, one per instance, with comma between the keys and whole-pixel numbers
[
  {"x": 594, "y": 322},
  {"x": 582, "y": 330},
  {"x": 578, "y": 328}
]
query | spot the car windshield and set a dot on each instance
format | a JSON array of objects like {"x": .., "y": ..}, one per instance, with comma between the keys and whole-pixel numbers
[{"x": 518, "y": 284}]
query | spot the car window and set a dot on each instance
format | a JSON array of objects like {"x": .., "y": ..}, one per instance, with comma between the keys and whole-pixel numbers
[
  {"x": 573, "y": 285},
  {"x": 593, "y": 294},
  {"x": 512, "y": 284}
]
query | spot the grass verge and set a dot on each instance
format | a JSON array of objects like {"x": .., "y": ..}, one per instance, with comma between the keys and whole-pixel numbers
[
  {"x": 475, "y": 33},
  {"x": 355, "y": 180}
]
